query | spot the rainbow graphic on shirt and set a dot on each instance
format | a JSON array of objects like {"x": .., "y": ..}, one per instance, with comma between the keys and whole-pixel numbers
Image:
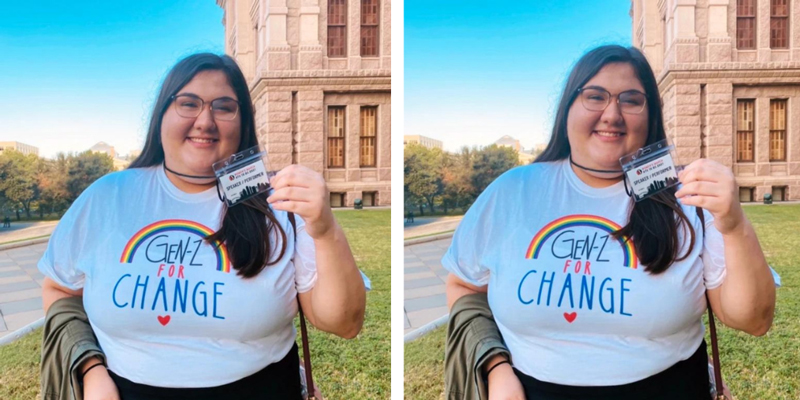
[
  {"x": 593, "y": 221},
  {"x": 179, "y": 225}
]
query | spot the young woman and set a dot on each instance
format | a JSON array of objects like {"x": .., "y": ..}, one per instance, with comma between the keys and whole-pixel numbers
[
  {"x": 598, "y": 297},
  {"x": 189, "y": 298}
]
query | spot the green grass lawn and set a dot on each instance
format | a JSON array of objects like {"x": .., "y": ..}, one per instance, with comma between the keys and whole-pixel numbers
[
  {"x": 755, "y": 368},
  {"x": 343, "y": 369}
]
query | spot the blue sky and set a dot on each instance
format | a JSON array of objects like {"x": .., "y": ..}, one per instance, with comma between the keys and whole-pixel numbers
[
  {"x": 478, "y": 70},
  {"x": 74, "y": 73}
]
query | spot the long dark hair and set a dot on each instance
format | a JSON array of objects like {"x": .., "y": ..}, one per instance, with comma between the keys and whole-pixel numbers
[
  {"x": 245, "y": 231},
  {"x": 652, "y": 225}
]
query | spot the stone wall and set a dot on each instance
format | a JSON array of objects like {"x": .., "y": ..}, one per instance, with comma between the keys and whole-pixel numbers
[
  {"x": 701, "y": 75},
  {"x": 281, "y": 45}
]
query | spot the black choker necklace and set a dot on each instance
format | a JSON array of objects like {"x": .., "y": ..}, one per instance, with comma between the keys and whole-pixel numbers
[
  {"x": 594, "y": 170},
  {"x": 189, "y": 176}
]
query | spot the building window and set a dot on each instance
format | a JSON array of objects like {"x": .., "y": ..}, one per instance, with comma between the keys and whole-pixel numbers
[
  {"x": 369, "y": 130},
  {"x": 779, "y": 193},
  {"x": 369, "y": 28},
  {"x": 336, "y": 131},
  {"x": 746, "y": 194},
  {"x": 337, "y": 28},
  {"x": 369, "y": 198},
  {"x": 337, "y": 200},
  {"x": 779, "y": 24},
  {"x": 745, "y": 130},
  {"x": 745, "y": 24},
  {"x": 777, "y": 130}
]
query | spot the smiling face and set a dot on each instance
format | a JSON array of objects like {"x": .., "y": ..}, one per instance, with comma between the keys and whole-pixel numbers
[
  {"x": 599, "y": 138},
  {"x": 191, "y": 145}
]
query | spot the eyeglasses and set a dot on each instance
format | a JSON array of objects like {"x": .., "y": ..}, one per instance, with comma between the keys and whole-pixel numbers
[
  {"x": 597, "y": 99},
  {"x": 190, "y": 106}
]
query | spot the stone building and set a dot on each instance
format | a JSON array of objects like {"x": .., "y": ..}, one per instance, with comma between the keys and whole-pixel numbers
[
  {"x": 422, "y": 140},
  {"x": 729, "y": 74},
  {"x": 320, "y": 78},
  {"x": 20, "y": 147}
]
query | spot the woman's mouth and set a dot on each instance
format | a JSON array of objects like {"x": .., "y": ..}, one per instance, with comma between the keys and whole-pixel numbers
[
  {"x": 608, "y": 135},
  {"x": 202, "y": 140}
]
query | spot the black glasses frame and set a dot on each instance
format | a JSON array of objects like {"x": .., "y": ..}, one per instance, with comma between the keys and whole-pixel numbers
[
  {"x": 203, "y": 106},
  {"x": 608, "y": 101}
]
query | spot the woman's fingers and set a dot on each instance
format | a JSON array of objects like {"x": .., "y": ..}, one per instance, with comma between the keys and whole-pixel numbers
[
  {"x": 701, "y": 188},
  {"x": 292, "y": 193}
]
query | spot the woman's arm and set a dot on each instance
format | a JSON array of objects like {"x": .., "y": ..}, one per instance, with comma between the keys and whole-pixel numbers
[
  {"x": 337, "y": 302},
  {"x": 51, "y": 292},
  {"x": 503, "y": 383},
  {"x": 97, "y": 383},
  {"x": 746, "y": 298}
]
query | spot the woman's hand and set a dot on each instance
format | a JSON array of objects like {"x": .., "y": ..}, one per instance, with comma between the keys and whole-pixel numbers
[
  {"x": 300, "y": 190},
  {"x": 712, "y": 186},
  {"x": 503, "y": 383},
  {"x": 97, "y": 384}
]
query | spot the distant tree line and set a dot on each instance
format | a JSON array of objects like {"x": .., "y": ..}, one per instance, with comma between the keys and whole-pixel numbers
[
  {"x": 33, "y": 185},
  {"x": 435, "y": 178}
]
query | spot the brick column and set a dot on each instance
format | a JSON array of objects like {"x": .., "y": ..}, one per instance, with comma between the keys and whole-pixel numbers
[
  {"x": 277, "y": 54},
  {"x": 310, "y": 135},
  {"x": 310, "y": 55},
  {"x": 762, "y": 31},
  {"x": 354, "y": 35},
  {"x": 687, "y": 122},
  {"x": 762, "y": 136},
  {"x": 719, "y": 41},
  {"x": 278, "y": 141},
  {"x": 687, "y": 45},
  {"x": 721, "y": 132}
]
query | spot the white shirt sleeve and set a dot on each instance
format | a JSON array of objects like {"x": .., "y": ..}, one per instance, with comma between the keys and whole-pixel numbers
[
  {"x": 305, "y": 261},
  {"x": 465, "y": 257},
  {"x": 713, "y": 255},
  {"x": 66, "y": 244}
]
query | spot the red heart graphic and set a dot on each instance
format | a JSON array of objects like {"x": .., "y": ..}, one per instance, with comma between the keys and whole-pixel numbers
[
  {"x": 568, "y": 316},
  {"x": 163, "y": 320}
]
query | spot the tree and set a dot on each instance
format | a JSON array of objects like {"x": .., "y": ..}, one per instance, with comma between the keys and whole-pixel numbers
[
  {"x": 83, "y": 169},
  {"x": 52, "y": 182},
  {"x": 18, "y": 180},
  {"x": 422, "y": 180},
  {"x": 489, "y": 163},
  {"x": 456, "y": 179}
]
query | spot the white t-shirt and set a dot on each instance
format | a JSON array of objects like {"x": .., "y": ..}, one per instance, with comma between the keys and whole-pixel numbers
[
  {"x": 574, "y": 305},
  {"x": 168, "y": 309}
]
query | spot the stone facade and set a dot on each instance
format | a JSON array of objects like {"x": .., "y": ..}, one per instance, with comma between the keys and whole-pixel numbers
[
  {"x": 20, "y": 147},
  {"x": 422, "y": 140},
  {"x": 281, "y": 46},
  {"x": 692, "y": 47}
]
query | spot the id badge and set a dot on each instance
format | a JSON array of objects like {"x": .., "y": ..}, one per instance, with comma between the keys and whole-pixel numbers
[
  {"x": 243, "y": 175},
  {"x": 650, "y": 170}
]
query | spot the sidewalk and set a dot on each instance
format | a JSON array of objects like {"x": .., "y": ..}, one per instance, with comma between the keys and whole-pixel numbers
[
  {"x": 423, "y": 226},
  {"x": 25, "y": 230},
  {"x": 424, "y": 278},
  {"x": 20, "y": 287}
]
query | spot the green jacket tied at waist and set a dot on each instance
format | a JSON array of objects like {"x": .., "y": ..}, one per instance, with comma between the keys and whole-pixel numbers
[
  {"x": 472, "y": 339},
  {"x": 67, "y": 341}
]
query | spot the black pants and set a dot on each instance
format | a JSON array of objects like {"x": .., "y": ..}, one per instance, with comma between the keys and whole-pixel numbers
[
  {"x": 280, "y": 380},
  {"x": 686, "y": 380}
]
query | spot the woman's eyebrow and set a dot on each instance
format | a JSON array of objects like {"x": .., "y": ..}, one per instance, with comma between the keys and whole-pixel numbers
[
  {"x": 595, "y": 87},
  {"x": 194, "y": 95}
]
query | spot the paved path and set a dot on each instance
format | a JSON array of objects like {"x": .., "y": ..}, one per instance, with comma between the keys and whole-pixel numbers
[
  {"x": 424, "y": 278},
  {"x": 25, "y": 230},
  {"x": 429, "y": 225},
  {"x": 20, "y": 287}
]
